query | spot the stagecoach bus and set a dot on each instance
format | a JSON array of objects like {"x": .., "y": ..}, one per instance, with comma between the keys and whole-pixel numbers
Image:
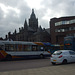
[{"x": 20, "y": 50}]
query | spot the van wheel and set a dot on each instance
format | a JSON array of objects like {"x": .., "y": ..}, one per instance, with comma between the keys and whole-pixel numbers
[
  {"x": 64, "y": 61},
  {"x": 41, "y": 56},
  {"x": 8, "y": 57}
]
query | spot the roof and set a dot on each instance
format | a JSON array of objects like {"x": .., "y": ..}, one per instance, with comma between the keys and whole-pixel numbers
[
  {"x": 48, "y": 30},
  {"x": 43, "y": 43},
  {"x": 39, "y": 43},
  {"x": 30, "y": 29},
  {"x": 17, "y": 42}
]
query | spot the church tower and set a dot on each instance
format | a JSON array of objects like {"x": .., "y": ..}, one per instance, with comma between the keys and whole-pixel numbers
[{"x": 33, "y": 21}]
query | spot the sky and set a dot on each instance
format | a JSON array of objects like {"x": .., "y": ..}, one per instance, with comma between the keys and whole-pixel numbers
[{"x": 14, "y": 12}]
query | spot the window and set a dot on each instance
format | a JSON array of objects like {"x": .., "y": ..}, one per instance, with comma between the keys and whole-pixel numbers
[
  {"x": 57, "y": 53},
  {"x": 63, "y": 30},
  {"x": 72, "y": 21},
  {"x": 72, "y": 34},
  {"x": 9, "y": 47},
  {"x": 56, "y": 30},
  {"x": 72, "y": 52},
  {"x": 58, "y": 23},
  {"x": 65, "y": 22},
  {"x": 60, "y": 30},
  {"x": 67, "y": 29},
  {"x": 71, "y": 28}
]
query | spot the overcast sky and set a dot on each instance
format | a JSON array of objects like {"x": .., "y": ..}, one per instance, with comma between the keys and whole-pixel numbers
[{"x": 14, "y": 12}]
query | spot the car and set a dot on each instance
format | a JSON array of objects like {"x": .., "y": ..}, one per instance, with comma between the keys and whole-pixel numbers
[{"x": 62, "y": 57}]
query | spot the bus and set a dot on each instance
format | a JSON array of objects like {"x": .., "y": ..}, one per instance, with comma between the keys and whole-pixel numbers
[
  {"x": 69, "y": 43},
  {"x": 21, "y": 50},
  {"x": 55, "y": 47}
]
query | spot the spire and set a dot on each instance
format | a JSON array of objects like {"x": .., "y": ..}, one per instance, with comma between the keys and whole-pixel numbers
[
  {"x": 15, "y": 31},
  {"x": 32, "y": 14},
  {"x": 25, "y": 25},
  {"x": 39, "y": 29},
  {"x": 32, "y": 10},
  {"x": 33, "y": 21}
]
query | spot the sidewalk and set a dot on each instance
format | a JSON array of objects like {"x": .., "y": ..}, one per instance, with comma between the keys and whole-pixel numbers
[{"x": 51, "y": 70}]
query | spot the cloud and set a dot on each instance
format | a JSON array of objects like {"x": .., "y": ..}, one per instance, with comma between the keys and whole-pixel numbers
[
  {"x": 12, "y": 3},
  {"x": 60, "y": 8},
  {"x": 14, "y": 12},
  {"x": 1, "y": 14},
  {"x": 12, "y": 15},
  {"x": 55, "y": 8}
]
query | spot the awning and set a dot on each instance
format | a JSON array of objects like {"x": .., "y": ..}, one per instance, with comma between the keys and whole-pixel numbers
[
  {"x": 55, "y": 45},
  {"x": 39, "y": 43},
  {"x": 47, "y": 44},
  {"x": 42, "y": 43}
]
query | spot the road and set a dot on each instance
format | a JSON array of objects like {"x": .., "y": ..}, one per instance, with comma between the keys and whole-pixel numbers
[
  {"x": 11, "y": 67},
  {"x": 24, "y": 64},
  {"x": 35, "y": 67}
]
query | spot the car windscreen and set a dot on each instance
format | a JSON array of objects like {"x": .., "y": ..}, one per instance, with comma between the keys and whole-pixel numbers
[{"x": 57, "y": 53}]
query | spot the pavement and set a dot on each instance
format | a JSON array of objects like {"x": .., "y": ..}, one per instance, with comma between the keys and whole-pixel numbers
[{"x": 68, "y": 69}]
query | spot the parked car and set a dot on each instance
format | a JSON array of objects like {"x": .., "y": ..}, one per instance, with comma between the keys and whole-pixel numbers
[{"x": 63, "y": 56}]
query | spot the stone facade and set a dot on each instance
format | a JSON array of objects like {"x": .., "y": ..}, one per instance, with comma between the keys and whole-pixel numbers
[{"x": 30, "y": 32}]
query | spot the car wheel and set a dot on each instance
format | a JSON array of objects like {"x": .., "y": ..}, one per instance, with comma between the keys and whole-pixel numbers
[
  {"x": 53, "y": 63},
  {"x": 64, "y": 61}
]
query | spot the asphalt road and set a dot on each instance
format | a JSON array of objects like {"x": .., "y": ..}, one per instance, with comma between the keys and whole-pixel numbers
[
  {"x": 24, "y": 64},
  {"x": 35, "y": 67}
]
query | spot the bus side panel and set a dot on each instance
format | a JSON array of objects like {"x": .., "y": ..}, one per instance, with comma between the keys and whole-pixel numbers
[
  {"x": 28, "y": 54},
  {"x": 2, "y": 54}
]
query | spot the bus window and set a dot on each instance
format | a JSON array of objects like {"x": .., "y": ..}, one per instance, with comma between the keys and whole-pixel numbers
[
  {"x": 24, "y": 47},
  {"x": 15, "y": 47},
  {"x": 9, "y": 47},
  {"x": 34, "y": 48},
  {"x": 6, "y": 47},
  {"x": 27, "y": 48}
]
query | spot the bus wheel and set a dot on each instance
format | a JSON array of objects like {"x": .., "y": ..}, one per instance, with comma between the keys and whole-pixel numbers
[
  {"x": 41, "y": 56},
  {"x": 8, "y": 57}
]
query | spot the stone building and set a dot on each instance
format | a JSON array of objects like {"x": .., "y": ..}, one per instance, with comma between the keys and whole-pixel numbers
[{"x": 31, "y": 32}]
